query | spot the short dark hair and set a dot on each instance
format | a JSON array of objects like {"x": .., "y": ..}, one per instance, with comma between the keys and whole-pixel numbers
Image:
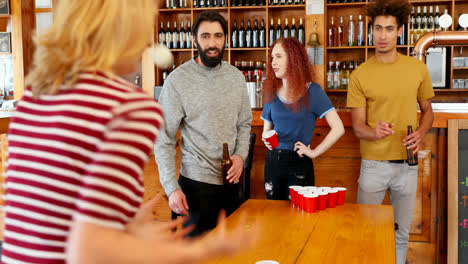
[
  {"x": 210, "y": 16},
  {"x": 400, "y": 9}
]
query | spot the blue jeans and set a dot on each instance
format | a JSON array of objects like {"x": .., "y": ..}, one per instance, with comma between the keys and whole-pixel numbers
[
  {"x": 401, "y": 181},
  {"x": 284, "y": 168}
]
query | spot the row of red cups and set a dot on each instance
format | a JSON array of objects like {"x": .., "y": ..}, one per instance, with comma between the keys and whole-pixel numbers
[{"x": 311, "y": 198}]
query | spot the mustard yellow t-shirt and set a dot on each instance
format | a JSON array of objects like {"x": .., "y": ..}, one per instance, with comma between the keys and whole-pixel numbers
[{"x": 390, "y": 92}]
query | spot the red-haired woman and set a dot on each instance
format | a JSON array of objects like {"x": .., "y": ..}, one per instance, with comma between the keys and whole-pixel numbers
[{"x": 293, "y": 103}]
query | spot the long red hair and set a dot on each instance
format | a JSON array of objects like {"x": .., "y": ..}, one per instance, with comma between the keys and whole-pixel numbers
[{"x": 299, "y": 73}]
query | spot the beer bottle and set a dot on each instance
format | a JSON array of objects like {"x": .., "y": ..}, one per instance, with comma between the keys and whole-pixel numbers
[
  {"x": 226, "y": 164},
  {"x": 412, "y": 159}
]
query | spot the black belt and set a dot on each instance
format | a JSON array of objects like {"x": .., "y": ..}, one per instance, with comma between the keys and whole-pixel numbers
[{"x": 397, "y": 161}]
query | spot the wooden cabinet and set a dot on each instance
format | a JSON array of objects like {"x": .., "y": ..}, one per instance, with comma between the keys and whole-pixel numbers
[
  {"x": 359, "y": 53},
  {"x": 230, "y": 13}
]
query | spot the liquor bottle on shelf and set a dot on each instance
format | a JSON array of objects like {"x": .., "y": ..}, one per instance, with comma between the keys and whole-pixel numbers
[
  {"x": 412, "y": 23},
  {"x": 337, "y": 76},
  {"x": 293, "y": 28},
  {"x": 235, "y": 2},
  {"x": 424, "y": 25},
  {"x": 175, "y": 37},
  {"x": 402, "y": 37},
  {"x": 351, "y": 67},
  {"x": 301, "y": 32},
  {"x": 242, "y": 35},
  {"x": 351, "y": 32},
  {"x": 255, "y": 35},
  {"x": 330, "y": 75},
  {"x": 271, "y": 33},
  {"x": 215, "y": 3},
  {"x": 189, "y": 36},
  {"x": 168, "y": 35},
  {"x": 248, "y": 35},
  {"x": 370, "y": 40},
  {"x": 162, "y": 34},
  {"x": 417, "y": 28},
  {"x": 341, "y": 33},
  {"x": 165, "y": 73},
  {"x": 430, "y": 20},
  {"x": 182, "y": 40},
  {"x": 345, "y": 76},
  {"x": 174, "y": 4},
  {"x": 207, "y": 3},
  {"x": 235, "y": 36},
  {"x": 279, "y": 30},
  {"x": 223, "y": 2},
  {"x": 332, "y": 33},
  {"x": 168, "y": 4},
  {"x": 436, "y": 19},
  {"x": 201, "y": 3},
  {"x": 262, "y": 35},
  {"x": 360, "y": 32},
  {"x": 290, "y": 2},
  {"x": 286, "y": 30}
]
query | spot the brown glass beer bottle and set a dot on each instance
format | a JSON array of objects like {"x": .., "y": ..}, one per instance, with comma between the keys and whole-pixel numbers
[
  {"x": 412, "y": 158},
  {"x": 226, "y": 164}
]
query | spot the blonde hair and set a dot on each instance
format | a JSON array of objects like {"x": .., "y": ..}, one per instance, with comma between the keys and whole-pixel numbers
[{"x": 89, "y": 35}]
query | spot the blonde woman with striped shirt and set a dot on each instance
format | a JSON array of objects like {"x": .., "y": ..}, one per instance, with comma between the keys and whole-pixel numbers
[{"x": 77, "y": 146}]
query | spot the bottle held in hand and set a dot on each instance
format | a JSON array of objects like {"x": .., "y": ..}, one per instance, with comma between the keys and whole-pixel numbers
[
  {"x": 412, "y": 158},
  {"x": 226, "y": 164}
]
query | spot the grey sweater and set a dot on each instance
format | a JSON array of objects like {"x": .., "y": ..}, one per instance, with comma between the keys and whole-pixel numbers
[{"x": 210, "y": 106}]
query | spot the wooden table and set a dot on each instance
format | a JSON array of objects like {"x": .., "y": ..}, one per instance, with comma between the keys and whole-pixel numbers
[{"x": 348, "y": 234}]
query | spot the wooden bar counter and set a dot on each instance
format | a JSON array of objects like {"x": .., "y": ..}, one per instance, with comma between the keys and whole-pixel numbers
[{"x": 346, "y": 234}]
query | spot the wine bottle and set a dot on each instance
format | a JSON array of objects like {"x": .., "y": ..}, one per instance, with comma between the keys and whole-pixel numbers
[
  {"x": 248, "y": 35},
  {"x": 235, "y": 36},
  {"x": 242, "y": 43},
  {"x": 271, "y": 33},
  {"x": 182, "y": 35},
  {"x": 301, "y": 32},
  {"x": 175, "y": 37},
  {"x": 279, "y": 30},
  {"x": 162, "y": 35},
  {"x": 255, "y": 35},
  {"x": 293, "y": 31},
  {"x": 168, "y": 36},
  {"x": 189, "y": 36},
  {"x": 262, "y": 35},
  {"x": 286, "y": 30}
]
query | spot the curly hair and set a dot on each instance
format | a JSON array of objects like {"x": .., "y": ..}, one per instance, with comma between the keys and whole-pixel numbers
[
  {"x": 400, "y": 9},
  {"x": 299, "y": 73}
]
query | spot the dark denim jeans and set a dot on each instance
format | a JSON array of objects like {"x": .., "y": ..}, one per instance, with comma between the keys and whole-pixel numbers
[
  {"x": 284, "y": 168},
  {"x": 205, "y": 201}
]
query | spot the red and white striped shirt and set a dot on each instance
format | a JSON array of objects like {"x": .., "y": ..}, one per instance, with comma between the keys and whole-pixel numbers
[{"x": 78, "y": 154}]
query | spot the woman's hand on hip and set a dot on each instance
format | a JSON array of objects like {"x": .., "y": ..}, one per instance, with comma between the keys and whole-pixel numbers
[{"x": 302, "y": 150}]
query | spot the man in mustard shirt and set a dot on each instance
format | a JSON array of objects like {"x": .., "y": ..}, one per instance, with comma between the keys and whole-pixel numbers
[{"x": 383, "y": 95}]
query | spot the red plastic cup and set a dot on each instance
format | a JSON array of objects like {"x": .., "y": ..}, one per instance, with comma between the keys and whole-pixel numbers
[
  {"x": 310, "y": 202},
  {"x": 271, "y": 137},
  {"x": 300, "y": 198},
  {"x": 341, "y": 195},
  {"x": 322, "y": 200},
  {"x": 331, "y": 199},
  {"x": 293, "y": 194}
]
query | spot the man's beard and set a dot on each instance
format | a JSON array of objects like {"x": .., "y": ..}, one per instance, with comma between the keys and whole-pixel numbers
[{"x": 207, "y": 60}]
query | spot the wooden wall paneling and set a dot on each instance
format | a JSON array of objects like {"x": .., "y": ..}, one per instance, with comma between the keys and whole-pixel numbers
[
  {"x": 28, "y": 27},
  {"x": 440, "y": 217},
  {"x": 17, "y": 47},
  {"x": 452, "y": 200}
]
